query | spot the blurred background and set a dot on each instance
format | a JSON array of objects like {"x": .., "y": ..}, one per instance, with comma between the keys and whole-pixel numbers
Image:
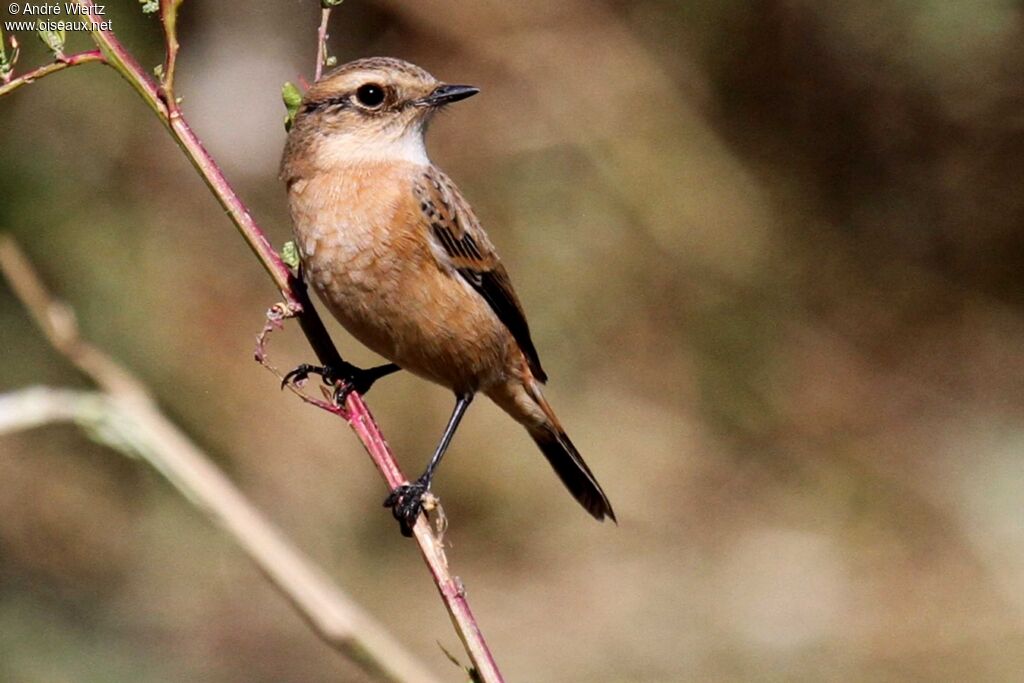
[{"x": 771, "y": 252}]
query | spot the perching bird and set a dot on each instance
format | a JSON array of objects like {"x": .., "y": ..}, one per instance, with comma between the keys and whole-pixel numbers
[{"x": 397, "y": 255}]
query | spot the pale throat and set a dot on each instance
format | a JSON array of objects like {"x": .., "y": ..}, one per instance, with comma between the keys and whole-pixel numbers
[{"x": 344, "y": 148}]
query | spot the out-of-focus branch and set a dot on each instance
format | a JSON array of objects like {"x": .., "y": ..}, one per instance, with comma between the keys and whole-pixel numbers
[
  {"x": 54, "y": 67},
  {"x": 124, "y": 417},
  {"x": 57, "y": 321},
  {"x": 38, "y": 406}
]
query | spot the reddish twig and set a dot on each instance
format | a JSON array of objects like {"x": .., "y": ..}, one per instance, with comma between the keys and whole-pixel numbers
[
  {"x": 169, "y": 19},
  {"x": 47, "y": 69},
  {"x": 118, "y": 57},
  {"x": 321, "y": 43}
]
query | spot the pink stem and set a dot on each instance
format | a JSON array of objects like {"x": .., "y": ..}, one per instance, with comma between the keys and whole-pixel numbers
[
  {"x": 450, "y": 587},
  {"x": 321, "y": 43},
  {"x": 47, "y": 69}
]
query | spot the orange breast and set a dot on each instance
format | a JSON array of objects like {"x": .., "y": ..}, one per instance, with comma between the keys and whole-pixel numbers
[{"x": 366, "y": 252}]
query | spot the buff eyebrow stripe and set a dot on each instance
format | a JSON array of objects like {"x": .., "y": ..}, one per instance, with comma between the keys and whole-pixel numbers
[{"x": 318, "y": 105}]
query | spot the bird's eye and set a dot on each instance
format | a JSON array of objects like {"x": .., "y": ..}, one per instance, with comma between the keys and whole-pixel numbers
[{"x": 370, "y": 95}]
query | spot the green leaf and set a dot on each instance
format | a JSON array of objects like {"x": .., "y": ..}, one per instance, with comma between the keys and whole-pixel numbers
[
  {"x": 7, "y": 61},
  {"x": 474, "y": 675},
  {"x": 292, "y": 97},
  {"x": 290, "y": 254},
  {"x": 53, "y": 40}
]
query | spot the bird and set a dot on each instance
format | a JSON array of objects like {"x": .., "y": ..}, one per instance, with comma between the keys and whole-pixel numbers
[{"x": 396, "y": 254}]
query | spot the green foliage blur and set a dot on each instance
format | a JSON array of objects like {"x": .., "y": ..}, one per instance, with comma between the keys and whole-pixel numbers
[{"x": 772, "y": 252}]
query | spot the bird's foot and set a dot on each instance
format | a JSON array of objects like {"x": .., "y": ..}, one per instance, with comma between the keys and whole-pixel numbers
[
  {"x": 345, "y": 380},
  {"x": 303, "y": 371},
  {"x": 407, "y": 501}
]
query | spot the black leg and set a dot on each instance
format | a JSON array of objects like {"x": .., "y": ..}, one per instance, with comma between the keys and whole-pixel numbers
[
  {"x": 406, "y": 501},
  {"x": 352, "y": 378}
]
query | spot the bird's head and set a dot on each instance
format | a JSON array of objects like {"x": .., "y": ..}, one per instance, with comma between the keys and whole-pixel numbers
[{"x": 374, "y": 109}]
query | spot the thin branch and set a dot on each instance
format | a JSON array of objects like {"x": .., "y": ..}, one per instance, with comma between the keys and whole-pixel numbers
[
  {"x": 125, "y": 64},
  {"x": 169, "y": 19},
  {"x": 321, "y": 42},
  {"x": 57, "y": 321},
  {"x": 124, "y": 417},
  {"x": 54, "y": 67}
]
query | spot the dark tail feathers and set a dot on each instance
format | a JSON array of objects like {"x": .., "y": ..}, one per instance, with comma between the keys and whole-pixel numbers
[{"x": 574, "y": 473}]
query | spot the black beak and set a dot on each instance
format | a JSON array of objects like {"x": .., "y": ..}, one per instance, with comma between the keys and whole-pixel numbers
[{"x": 446, "y": 94}]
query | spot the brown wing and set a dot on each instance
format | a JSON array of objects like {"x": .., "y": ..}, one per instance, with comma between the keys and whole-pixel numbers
[{"x": 457, "y": 232}]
